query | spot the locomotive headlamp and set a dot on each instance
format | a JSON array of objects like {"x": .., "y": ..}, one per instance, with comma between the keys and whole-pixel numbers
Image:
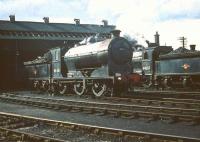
[{"x": 119, "y": 78}]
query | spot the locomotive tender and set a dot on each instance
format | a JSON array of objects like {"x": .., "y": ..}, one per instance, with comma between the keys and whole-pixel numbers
[
  {"x": 102, "y": 67},
  {"x": 179, "y": 69}
]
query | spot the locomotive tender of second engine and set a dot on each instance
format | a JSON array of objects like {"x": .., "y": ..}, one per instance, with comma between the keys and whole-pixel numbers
[{"x": 179, "y": 69}]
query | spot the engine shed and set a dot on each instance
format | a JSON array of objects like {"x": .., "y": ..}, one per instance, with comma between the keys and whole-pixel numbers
[{"x": 24, "y": 40}]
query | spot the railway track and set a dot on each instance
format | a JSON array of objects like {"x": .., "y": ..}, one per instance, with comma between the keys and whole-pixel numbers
[
  {"x": 168, "y": 102},
  {"x": 15, "y": 127},
  {"x": 154, "y": 94},
  {"x": 167, "y": 92},
  {"x": 131, "y": 111},
  {"x": 138, "y": 100}
]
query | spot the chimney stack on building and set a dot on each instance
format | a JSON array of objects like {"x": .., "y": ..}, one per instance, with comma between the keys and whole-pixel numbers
[
  {"x": 46, "y": 20},
  {"x": 77, "y": 21},
  {"x": 12, "y": 18}
]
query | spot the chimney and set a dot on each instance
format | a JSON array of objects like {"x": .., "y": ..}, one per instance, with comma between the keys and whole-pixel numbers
[
  {"x": 12, "y": 18},
  {"x": 77, "y": 21},
  {"x": 157, "y": 40},
  {"x": 46, "y": 20},
  {"x": 105, "y": 23},
  {"x": 192, "y": 47},
  {"x": 115, "y": 33}
]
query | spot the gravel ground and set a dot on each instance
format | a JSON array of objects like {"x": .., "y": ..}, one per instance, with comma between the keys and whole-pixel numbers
[
  {"x": 67, "y": 135},
  {"x": 106, "y": 121}
]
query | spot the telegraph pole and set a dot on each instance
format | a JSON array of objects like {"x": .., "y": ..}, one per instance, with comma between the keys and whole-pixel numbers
[{"x": 183, "y": 40}]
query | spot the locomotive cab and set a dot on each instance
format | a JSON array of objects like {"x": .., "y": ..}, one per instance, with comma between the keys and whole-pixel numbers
[
  {"x": 59, "y": 70},
  {"x": 144, "y": 63}
]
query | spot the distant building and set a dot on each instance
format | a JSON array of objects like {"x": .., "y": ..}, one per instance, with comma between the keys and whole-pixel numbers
[{"x": 21, "y": 41}]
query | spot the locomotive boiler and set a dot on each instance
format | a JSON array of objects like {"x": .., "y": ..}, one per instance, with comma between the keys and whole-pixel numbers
[
  {"x": 113, "y": 54},
  {"x": 101, "y": 63}
]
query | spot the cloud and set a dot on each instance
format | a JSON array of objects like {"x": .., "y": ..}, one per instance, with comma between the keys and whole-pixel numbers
[
  {"x": 180, "y": 9},
  {"x": 172, "y": 29},
  {"x": 112, "y": 9},
  {"x": 35, "y": 10},
  {"x": 142, "y": 18},
  {"x": 21, "y": 7},
  {"x": 138, "y": 18}
]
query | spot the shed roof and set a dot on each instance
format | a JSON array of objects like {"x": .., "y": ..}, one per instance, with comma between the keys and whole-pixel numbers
[{"x": 50, "y": 31}]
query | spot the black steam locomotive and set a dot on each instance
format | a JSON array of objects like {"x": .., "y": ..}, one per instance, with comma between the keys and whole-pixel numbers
[
  {"x": 100, "y": 67},
  {"x": 161, "y": 67}
]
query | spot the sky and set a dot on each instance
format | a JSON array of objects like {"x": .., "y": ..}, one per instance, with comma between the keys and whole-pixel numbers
[{"x": 138, "y": 18}]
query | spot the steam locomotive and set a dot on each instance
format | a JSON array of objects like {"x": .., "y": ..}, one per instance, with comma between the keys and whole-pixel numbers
[
  {"x": 161, "y": 67},
  {"x": 99, "y": 66}
]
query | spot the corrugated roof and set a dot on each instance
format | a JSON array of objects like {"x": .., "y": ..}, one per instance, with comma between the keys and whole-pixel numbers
[{"x": 53, "y": 27}]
